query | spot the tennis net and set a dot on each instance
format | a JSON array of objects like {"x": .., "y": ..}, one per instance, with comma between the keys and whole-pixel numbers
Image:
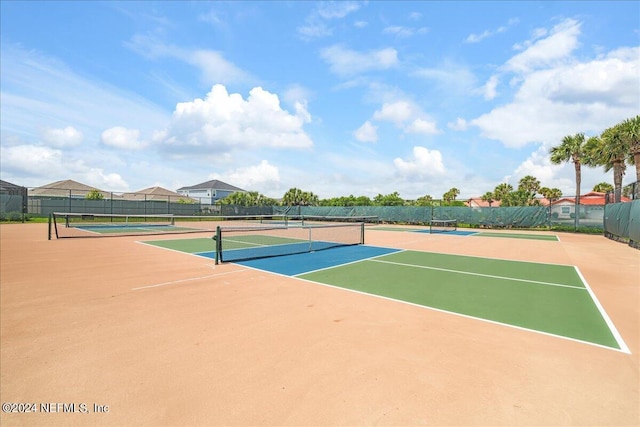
[
  {"x": 245, "y": 243},
  {"x": 443, "y": 225},
  {"x": 63, "y": 225}
]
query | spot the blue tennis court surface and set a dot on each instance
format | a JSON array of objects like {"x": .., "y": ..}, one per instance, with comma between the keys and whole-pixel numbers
[{"x": 291, "y": 265}]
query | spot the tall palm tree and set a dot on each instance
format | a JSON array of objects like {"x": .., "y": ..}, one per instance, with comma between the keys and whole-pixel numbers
[
  {"x": 531, "y": 185},
  {"x": 631, "y": 133},
  {"x": 571, "y": 149},
  {"x": 488, "y": 197},
  {"x": 610, "y": 150},
  {"x": 501, "y": 191}
]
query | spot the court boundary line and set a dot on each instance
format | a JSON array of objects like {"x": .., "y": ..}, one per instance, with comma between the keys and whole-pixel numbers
[
  {"x": 623, "y": 345},
  {"x": 189, "y": 279},
  {"x": 426, "y": 307},
  {"x": 515, "y": 279}
]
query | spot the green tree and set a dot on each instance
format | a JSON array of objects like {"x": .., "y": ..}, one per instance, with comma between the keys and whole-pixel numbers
[
  {"x": 488, "y": 197},
  {"x": 529, "y": 185},
  {"x": 392, "y": 199},
  {"x": 610, "y": 150},
  {"x": 551, "y": 194},
  {"x": 630, "y": 129},
  {"x": 296, "y": 197},
  {"x": 248, "y": 198},
  {"x": 425, "y": 200},
  {"x": 572, "y": 149},
  {"x": 94, "y": 195},
  {"x": 518, "y": 197},
  {"x": 450, "y": 195},
  {"x": 603, "y": 187},
  {"x": 502, "y": 190}
]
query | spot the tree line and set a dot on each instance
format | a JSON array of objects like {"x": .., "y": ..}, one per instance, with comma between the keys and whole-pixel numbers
[
  {"x": 614, "y": 149},
  {"x": 617, "y": 147}
]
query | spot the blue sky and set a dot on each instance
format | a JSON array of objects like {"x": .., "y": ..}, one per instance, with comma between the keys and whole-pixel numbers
[{"x": 336, "y": 98}]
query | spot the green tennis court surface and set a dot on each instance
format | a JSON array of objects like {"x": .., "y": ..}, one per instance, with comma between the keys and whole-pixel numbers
[
  {"x": 530, "y": 236},
  {"x": 200, "y": 244},
  {"x": 546, "y": 298},
  {"x": 473, "y": 233}
]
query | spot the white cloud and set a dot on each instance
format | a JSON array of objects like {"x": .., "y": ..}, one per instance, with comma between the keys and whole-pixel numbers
[
  {"x": 451, "y": 77},
  {"x": 347, "y": 62},
  {"x": 34, "y": 163},
  {"x": 401, "y": 31},
  {"x": 424, "y": 162},
  {"x": 213, "y": 66},
  {"x": 67, "y": 137},
  {"x": 422, "y": 126},
  {"x": 550, "y": 51},
  {"x": 317, "y": 22},
  {"x": 262, "y": 177},
  {"x": 31, "y": 159},
  {"x": 336, "y": 9},
  {"x": 39, "y": 92},
  {"x": 367, "y": 132},
  {"x": 612, "y": 79},
  {"x": 475, "y": 38},
  {"x": 398, "y": 112},
  {"x": 222, "y": 122},
  {"x": 407, "y": 116},
  {"x": 460, "y": 124},
  {"x": 122, "y": 138},
  {"x": 563, "y": 96},
  {"x": 489, "y": 89}
]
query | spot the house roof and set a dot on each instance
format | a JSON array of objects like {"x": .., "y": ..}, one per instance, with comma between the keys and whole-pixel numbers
[
  {"x": 155, "y": 193},
  {"x": 6, "y": 186},
  {"x": 64, "y": 188},
  {"x": 477, "y": 202},
  {"x": 591, "y": 198},
  {"x": 214, "y": 184}
]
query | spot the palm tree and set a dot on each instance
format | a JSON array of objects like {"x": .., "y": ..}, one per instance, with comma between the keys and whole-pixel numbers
[
  {"x": 551, "y": 194},
  {"x": 530, "y": 185},
  {"x": 610, "y": 150},
  {"x": 571, "y": 149},
  {"x": 451, "y": 195},
  {"x": 487, "y": 197},
  {"x": 501, "y": 191},
  {"x": 603, "y": 187},
  {"x": 631, "y": 133}
]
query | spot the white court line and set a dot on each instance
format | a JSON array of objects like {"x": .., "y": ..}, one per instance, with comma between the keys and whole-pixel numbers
[
  {"x": 623, "y": 346},
  {"x": 191, "y": 279},
  {"x": 454, "y": 313},
  {"x": 480, "y": 274}
]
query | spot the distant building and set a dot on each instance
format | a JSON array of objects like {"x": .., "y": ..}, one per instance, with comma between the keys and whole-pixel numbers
[
  {"x": 158, "y": 194},
  {"x": 67, "y": 188},
  {"x": 592, "y": 205},
  {"x": 207, "y": 193},
  {"x": 477, "y": 202}
]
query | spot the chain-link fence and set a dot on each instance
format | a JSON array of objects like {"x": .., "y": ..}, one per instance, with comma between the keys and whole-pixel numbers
[{"x": 562, "y": 213}]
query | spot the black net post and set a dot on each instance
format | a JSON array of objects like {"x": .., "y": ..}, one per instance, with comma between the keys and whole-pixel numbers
[{"x": 218, "y": 240}]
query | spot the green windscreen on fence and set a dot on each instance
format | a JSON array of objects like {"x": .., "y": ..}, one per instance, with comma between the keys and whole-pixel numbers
[
  {"x": 527, "y": 216},
  {"x": 622, "y": 222}
]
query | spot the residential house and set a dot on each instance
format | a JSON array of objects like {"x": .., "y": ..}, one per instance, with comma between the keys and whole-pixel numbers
[
  {"x": 209, "y": 192},
  {"x": 67, "y": 188},
  {"x": 158, "y": 194},
  {"x": 591, "y": 206}
]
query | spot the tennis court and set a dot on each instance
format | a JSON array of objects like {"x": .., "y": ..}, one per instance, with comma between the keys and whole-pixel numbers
[
  {"x": 538, "y": 297},
  {"x": 407, "y": 328}
]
